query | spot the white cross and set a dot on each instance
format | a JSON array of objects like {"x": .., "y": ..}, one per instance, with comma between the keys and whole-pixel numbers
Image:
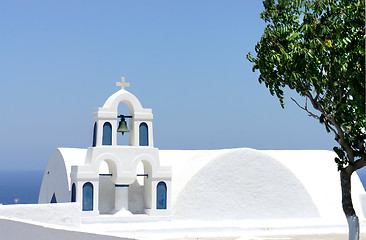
[{"x": 122, "y": 83}]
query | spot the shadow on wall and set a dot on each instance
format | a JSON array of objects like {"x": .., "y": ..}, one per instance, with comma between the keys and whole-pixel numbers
[
  {"x": 136, "y": 199},
  {"x": 10, "y": 230}
]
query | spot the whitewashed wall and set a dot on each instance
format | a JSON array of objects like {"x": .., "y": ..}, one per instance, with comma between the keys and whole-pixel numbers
[
  {"x": 250, "y": 184},
  {"x": 63, "y": 214}
]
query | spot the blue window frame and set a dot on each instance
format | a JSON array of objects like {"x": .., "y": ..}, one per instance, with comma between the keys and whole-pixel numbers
[
  {"x": 73, "y": 193},
  {"x": 144, "y": 134},
  {"x": 95, "y": 135},
  {"x": 107, "y": 134},
  {"x": 53, "y": 199},
  {"x": 161, "y": 196},
  {"x": 88, "y": 197}
]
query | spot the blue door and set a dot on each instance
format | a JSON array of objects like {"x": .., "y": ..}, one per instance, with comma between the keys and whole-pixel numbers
[
  {"x": 88, "y": 197},
  {"x": 73, "y": 193},
  {"x": 144, "y": 135},
  {"x": 107, "y": 134},
  {"x": 161, "y": 196}
]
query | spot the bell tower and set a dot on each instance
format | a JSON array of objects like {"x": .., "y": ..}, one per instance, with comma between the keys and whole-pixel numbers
[
  {"x": 107, "y": 181},
  {"x": 139, "y": 119}
]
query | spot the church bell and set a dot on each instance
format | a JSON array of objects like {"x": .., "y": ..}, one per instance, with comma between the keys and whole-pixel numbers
[{"x": 123, "y": 126}]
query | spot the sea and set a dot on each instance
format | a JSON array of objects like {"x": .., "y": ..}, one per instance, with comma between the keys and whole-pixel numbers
[
  {"x": 20, "y": 186},
  {"x": 23, "y": 187}
]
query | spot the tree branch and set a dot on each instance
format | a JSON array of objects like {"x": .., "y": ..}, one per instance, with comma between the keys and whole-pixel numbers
[
  {"x": 338, "y": 131},
  {"x": 317, "y": 107},
  {"x": 306, "y": 109},
  {"x": 359, "y": 164}
]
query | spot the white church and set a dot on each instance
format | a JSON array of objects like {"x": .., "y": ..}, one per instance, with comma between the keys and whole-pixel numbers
[
  {"x": 232, "y": 184},
  {"x": 103, "y": 178}
]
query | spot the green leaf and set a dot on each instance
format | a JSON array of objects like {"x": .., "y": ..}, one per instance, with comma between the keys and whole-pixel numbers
[
  {"x": 317, "y": 48},
  {"x": 293, "y": 36}
]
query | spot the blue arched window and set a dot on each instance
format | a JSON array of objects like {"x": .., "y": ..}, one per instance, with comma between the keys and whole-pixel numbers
[
  {"x": 73, "y": 193},
  {"x": 95, "y": 135},
  {"x": 54, "y": 200},
  {"x": 107, "y": 134},
  {"x": 88, "y": 197},
  {"x": 144, "y": 135},
  {"x": 161, "y": 196}
]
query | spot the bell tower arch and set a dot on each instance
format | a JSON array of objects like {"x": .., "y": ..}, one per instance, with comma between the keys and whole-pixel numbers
[{"x": 139, "y": 120}]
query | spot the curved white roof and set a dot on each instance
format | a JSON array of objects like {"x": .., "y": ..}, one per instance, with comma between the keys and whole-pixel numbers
[
  {"x": 72, "y": 156},
  {"x": 251, "y": 184},
  {"x": 56, "y": 179}
]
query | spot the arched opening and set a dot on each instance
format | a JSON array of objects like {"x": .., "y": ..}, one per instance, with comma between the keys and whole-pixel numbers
[
  {"x": 123, "y": 140},
  {"x": 106, "y": 198},
  {"x": 95, "y": 135},
  {"x": 161, "y": 196},
  {"x": 107, "y": 134},
  {"x": 144, "y": 134},
  {"x": 139, "y": 192},
  {"x": 73, "y": 193},
  {"x": 53, "y": 199},
  {"x": 88, "y": 197}
]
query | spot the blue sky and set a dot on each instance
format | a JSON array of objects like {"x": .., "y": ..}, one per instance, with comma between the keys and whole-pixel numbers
[{"x": 184, "y": 59}]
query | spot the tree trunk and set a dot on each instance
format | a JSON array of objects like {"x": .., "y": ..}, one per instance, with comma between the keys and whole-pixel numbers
[{"x": 352, "y": 219}]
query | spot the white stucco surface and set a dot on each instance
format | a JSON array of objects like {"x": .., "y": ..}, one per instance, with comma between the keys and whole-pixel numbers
[
  {"x": 56, "y": 178},
  {"x": 62, "y": 214},
  {"x": 140, "y": 227},
  {"x": 318, "y": 173},
  {"x": 251, "y": 184},
  {"x": 124, "y": 96}
]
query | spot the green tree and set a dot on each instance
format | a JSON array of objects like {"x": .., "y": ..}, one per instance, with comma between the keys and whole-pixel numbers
[{"x": 317, "y": 48}]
